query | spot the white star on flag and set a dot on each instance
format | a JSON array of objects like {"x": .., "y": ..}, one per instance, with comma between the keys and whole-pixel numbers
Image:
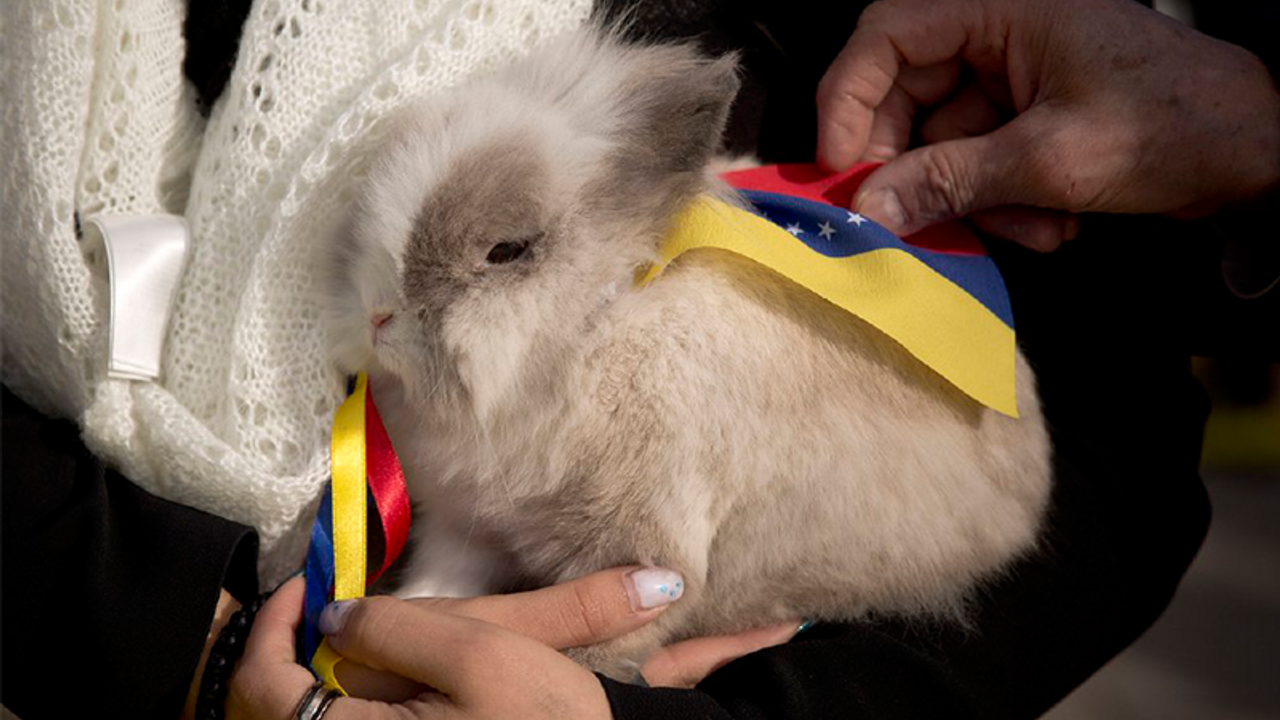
[
  {"x": 856, "y": 219},
  {"x": 794, "y": 229},
  {"x": 825, "y": 230}
]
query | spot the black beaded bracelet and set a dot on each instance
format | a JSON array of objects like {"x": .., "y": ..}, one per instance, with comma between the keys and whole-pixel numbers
[{"x": 211, "y": 702}]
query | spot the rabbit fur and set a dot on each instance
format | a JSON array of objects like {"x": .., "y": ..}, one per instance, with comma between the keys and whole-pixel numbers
[{"x": 552, "y": 419}]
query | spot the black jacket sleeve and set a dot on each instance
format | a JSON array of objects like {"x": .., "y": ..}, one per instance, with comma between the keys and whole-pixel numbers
[{"x": 108, "y": 590}]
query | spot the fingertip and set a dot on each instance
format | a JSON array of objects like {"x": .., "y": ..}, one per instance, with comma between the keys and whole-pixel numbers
[
  {"x": 295, "y": 585},
  {"x": 274, "y": 627},
  {"x": 846, "y": 103},
  {"x": 651, "y": 588},
  {"x": 686, "y": 663},
  {"x": 1037, "y": 229},
  {"x": 1070, "y": 226},
  {"x": 334, "y": 616},
  {"x": 884, "y": 207},
  {"x": 286, "y": 602},
  {"x": 782, "y": 632}
]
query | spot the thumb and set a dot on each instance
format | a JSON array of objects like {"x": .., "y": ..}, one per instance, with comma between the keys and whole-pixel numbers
[
  {"x": 952, "y": 179},
  {"x": 583, "y": 611}
]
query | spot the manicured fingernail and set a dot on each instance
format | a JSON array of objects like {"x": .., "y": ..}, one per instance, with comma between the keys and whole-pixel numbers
[
  {"x": 652, "y": 587},
  {"x": 804, "y": 625},
  {"x": 884, "y": 207},
  {"x": 334, "y": 616}
]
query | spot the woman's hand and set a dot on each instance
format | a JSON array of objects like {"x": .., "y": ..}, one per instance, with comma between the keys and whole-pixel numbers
[
  {"x": 477, "y": 669},
  {"x": 490, "y": 656},
  {"x": 1027, "y": 109}
]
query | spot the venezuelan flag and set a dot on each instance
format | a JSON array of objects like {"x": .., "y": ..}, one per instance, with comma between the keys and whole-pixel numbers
[{"x": 938, "y": 294}]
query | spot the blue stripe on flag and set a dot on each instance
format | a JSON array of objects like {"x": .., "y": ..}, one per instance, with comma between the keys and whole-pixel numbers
[
  {"x": 827, "y": 230},
  {"x": 319, "y": 576}
]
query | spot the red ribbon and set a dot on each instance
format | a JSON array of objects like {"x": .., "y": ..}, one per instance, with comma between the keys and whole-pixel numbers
[{"x": 386, "y": 482}]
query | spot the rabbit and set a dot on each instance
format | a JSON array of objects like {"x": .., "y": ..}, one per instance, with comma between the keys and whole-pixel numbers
[{"x": 552, "y": 419}]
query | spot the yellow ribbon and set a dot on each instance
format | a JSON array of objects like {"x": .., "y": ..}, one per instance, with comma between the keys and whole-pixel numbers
[
  {"x": 347, "y": 459},
  {"x": 938, "y": 322},
  {"x": 325, "y": 664},
  {"x": 349, "y": 492}
]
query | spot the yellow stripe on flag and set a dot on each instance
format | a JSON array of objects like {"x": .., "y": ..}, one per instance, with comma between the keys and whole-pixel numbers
[
  {"x": 945, "y": 327},
  {"x": 349, "y": 512},
  {"x": 350, "y": 539},
  {"x": 324, "y": 663}
]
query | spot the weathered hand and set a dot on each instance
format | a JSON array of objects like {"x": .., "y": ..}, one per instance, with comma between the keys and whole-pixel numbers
[{"x": 1030, "y": 108}]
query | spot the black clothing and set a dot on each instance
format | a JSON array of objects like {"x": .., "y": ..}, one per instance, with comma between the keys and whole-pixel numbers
[{"x": 109, "y": 590}]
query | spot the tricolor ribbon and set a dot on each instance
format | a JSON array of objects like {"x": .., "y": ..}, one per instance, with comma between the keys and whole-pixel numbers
[
  {"x": 364, "y": 465},
  {"x": 936, "y": 293}
]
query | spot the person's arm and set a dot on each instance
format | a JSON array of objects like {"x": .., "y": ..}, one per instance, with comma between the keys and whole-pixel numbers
[{"x": 109, "y": 592}]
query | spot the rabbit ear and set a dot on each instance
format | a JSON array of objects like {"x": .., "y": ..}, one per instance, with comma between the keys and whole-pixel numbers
[{"x": 671, "y": 110}]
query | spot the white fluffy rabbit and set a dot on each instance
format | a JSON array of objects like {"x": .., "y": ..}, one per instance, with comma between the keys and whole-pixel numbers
[{"x": 784, "y": 456}]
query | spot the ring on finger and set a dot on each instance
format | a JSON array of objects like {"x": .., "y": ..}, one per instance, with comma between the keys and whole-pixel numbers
[{"x": 315, "y": 702}]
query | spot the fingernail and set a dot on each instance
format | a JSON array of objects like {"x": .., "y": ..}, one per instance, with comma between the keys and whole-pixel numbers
[
  {"x": 334, "y": 616},
  {"x": 804, "y": 625},
  {"x": 287, "y": 580},
  {"x": 652, "y": 587},
  {"x": 884, "y": 207}
]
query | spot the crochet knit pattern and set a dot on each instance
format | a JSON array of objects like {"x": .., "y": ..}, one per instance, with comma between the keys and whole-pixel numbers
[{"x": 98, "y": 118}]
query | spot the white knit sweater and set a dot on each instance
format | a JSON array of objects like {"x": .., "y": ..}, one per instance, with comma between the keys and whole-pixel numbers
[{"x": 98, "y": 117}]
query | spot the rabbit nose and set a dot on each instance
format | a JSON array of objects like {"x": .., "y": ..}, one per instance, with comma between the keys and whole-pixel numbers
[{"x": 380, "y": 319}]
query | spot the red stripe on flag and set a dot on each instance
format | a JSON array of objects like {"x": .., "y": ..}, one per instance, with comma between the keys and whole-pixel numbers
[
  {"x": 386, "y": 482},
  {"x": 807, "y": 180}
]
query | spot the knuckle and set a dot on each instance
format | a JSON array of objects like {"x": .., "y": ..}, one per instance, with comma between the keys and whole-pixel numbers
[
  {"x": 947, "y": 186},
  {"x": 844, "y": 91},
  {"x": 586, "y": 618},
  {"x": 1051, "y": 165},
  {"x": 877, "y": 14},
  {"x": 1045, "y": 164},
  {"x": 372, "y": 621}
]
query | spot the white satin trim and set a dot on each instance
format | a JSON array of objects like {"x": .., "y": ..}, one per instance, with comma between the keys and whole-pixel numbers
[{"x": 143, "y": 255}]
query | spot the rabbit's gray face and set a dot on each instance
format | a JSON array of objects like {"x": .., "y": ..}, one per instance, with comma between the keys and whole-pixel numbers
[
  {"x": 484, "y": 276},
  {"x": 496, "y": 268},
  {"x": 483, "y": 228},
  {"x": 503, "y": 216}
]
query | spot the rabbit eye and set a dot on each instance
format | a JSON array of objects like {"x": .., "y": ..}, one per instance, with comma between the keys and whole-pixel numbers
[{"x": 506, "y": 252}]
